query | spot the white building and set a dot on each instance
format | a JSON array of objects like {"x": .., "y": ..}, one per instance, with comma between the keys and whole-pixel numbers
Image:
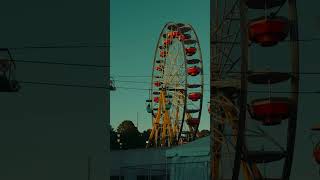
[{"x": 189, "y": 161}]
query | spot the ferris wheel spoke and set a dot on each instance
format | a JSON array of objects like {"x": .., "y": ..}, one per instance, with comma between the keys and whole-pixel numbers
[
  {"x": 233, "y": 65},
  {"x": 175, "y": 74},
  {"x": 231, "y": 11},
  {"x": 173, "y": 71},
  {"x": 230, "y": 51},
  {"x": 227, "y": 55}
]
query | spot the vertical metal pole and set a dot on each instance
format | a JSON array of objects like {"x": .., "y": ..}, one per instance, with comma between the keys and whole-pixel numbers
[
  {"x": 89, "y": 167},
  {"x": 294, "y": 48},
  {"x": 211, "y": 87},
  {"x": 243, "y": 90},
  {"x": 138, "y": 121}
]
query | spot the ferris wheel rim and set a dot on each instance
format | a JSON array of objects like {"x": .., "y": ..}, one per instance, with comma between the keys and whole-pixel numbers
[{"x": 185, "y": 86}]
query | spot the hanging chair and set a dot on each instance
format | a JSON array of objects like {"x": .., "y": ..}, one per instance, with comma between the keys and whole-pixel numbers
[
  {"x": 112, "y": 85},
  {"x": 8, "y": 83}
]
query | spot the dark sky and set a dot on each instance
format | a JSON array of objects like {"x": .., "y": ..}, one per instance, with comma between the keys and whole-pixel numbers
[{"x": 47, "y": 132}]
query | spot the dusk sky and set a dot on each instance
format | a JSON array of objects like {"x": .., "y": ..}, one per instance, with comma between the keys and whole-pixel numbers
[{"x": 135, "y": 29}]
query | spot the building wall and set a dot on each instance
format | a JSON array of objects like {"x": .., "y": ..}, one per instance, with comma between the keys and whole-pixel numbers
[{"x": 135, "y": 158}]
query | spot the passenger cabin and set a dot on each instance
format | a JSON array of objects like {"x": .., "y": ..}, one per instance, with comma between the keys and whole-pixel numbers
[{"x": 8, "y": 82}]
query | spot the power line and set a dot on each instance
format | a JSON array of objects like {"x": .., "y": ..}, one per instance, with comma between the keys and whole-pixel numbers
[
  {"x": 300, "y": 73},
  {"x": 284, "y": 41},
  {"x": 62, "y": 63},
  {"x": 144, "y": 89},
  {"x": 142, "y": 82},
  {"x": 58, "y": 47},
  {"x": 63, "y": 85},
  {"x": 138, "y": 76},
  {"x": 254, "y": 91},
  {"x": 231, "y": 72}
]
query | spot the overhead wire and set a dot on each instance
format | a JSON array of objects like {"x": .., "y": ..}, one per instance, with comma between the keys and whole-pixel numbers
[
  {"x": 62, "y": 63},
  {"x": 60, "y": 46},
  {"x": 254, "y": 91},
  {"x": 232, "y": 72},
  {"x": 64, "y": 85},
  {"x": 57, "y": 47},
  {"x": 105, "y": 66},
  {"x": 143, "y": 89}
]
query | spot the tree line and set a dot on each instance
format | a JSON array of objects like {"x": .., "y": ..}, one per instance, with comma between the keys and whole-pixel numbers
[{"x": 127, "y": 136}]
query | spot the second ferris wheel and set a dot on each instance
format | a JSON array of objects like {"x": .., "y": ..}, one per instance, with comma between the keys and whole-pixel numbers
[
  {"x": 176, "y": 87},
  {"x": 253, "y": 131}
]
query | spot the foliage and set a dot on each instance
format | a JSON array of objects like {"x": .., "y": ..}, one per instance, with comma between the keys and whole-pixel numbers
[
  {"x": 114, "y": 145},
  {"x": 129, "y": 136}
]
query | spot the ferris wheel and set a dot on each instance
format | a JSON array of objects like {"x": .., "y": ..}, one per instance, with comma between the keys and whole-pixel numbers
[
  {"x": 253, "y": 133},
  {"x": 175, "y": 99}
]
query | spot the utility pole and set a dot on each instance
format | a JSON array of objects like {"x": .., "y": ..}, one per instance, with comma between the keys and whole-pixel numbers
[{"x": 138, "y": 121}]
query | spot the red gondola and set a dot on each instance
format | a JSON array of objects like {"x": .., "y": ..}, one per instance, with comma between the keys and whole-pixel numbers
[
  {"x": 156, "y": 99},
  {"x": 159, "y": 68},
  {"x": 163, "y": 54},
  {"x": 195, "y": 96},
  {"x": 268, "y": 32},
  {"x": 173, "y": 34},
  {"x": 270, "y": 110},
  {"x": 194, "y": 70},
  {"x": 316, "y": 154},
  {"x": 191, "y": 51},
  {"x": 157, "y": 83},
  {"x": 167, "y": 42}
]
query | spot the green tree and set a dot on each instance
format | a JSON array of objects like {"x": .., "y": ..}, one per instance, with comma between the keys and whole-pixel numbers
[{"x": 130, "y": 137}]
